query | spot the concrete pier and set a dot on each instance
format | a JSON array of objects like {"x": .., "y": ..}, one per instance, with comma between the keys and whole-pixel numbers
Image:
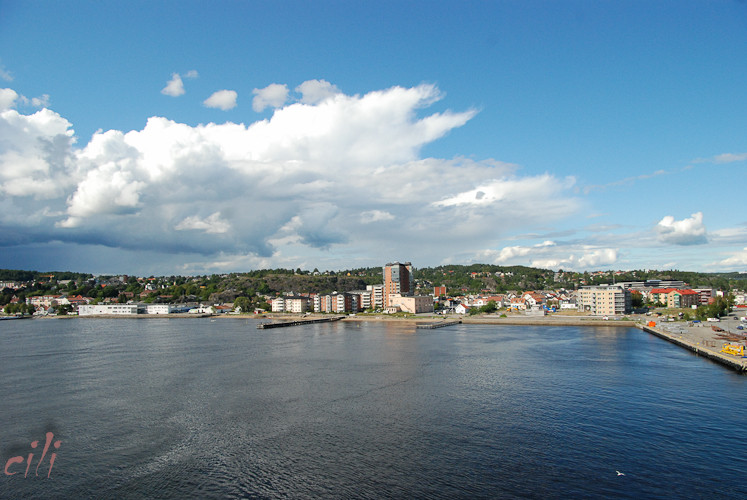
[
  {"x": 299, "y": 322},
  {"x": 707, "y": 347},
  {"x": 440, "y": 324}
]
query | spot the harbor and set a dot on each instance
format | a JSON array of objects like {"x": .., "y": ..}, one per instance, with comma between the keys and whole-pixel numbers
[{"x": 714, "y": 343}]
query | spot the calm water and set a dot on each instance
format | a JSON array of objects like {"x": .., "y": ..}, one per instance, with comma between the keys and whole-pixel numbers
[{"x": 193, "y": 408}]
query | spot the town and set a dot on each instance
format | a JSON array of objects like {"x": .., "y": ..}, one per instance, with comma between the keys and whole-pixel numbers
[{"x": 395, "y": 289}]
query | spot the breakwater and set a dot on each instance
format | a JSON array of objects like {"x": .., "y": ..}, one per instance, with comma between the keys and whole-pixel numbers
[
  {"x": 736, "y": 363},
  {"x": 299, "y": 322},
  {"x": 441, "y": 324}
]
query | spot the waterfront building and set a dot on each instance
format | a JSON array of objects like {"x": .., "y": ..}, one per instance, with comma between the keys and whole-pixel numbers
[
  {"x": 120, "y": 309},
  {"x": 291, "y": 304},
  {"x": 411, "y": 304},
  {"x": 398, "y": 279},
  {"x": 377, "y": 295},
  {"x": 604, "y": 300},
  {"x": 365, "y": 298},
  {"x": 278, "y": 304},
  {"x": 159, "y": 309},
  {"x": 462, "y": 309}
]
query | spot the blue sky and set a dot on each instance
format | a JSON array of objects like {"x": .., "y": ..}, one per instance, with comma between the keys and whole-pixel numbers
[{"x": 208, "y": 137}]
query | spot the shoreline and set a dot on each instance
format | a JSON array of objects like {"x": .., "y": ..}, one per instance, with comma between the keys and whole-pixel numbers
[
  {"x": 425, "y": 319},
  {"x": 697, "y": 338}
]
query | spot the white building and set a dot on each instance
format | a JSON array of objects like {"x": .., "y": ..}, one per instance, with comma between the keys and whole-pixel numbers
[
  {"x": 278, "y": 304},
  {"x": 377, "y": 295},
  {"x": 159, "y": 309},
  {"x": 120, "y": 309}
]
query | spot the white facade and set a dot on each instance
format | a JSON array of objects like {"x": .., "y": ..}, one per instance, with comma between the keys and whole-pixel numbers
[
  {"x": 159, "y": 309},
  {"x": 296, "y": 304},
  {"x": 123, "y": 309},
  {"x": 603, "y": 300},
  {"x": 377, "y": 295},
  {"x": 278, "y": 304}
]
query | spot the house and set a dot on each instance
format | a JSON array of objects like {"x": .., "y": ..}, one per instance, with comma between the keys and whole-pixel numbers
[
  {"x": 517, "y": 304},
  {"x": 462, "y": 309}
]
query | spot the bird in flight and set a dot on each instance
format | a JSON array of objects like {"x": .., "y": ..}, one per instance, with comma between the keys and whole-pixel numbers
[{"x": 619, "y": 473}]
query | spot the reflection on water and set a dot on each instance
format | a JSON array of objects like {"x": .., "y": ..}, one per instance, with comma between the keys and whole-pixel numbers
[{"x": 189, "y": 408}]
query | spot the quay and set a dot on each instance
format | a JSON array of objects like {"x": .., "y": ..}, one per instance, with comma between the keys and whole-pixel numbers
[
  {"x": 298, "y": 322},
  {"x": 688, "y": 337},
  {"x": 440, "y": 324}
]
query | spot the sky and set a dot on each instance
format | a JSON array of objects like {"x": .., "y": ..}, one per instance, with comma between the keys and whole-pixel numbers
[{"x": 202, "y": 137}]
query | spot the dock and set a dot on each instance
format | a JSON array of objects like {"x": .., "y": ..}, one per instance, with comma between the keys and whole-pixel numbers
[
  {"x": 705, "y": 347},
  {"x": 298, "y": 322},
  {"x": 440, "y": 324}
]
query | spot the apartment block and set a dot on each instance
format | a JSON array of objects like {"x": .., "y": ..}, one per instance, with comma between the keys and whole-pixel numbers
[
  {"x": 604, "y": 300},
  {"x": 398, "y": 279}
]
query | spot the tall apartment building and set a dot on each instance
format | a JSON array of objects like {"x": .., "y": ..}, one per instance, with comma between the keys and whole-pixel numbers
[
  {"x": 398, "y": 280},
  {"x": 377, "y": 296},
  {"x": 604, "y": 300}
]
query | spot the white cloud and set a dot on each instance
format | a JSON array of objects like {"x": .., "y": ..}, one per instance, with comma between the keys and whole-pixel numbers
[
  {"x": 7, "y": 98},
  {"x": 684, "y": 232},
  {"x": 175, "y": 86},
  {"x": 5, "y": 75},
  {"x": 35, "y": 154},
  {"x": 315, "y": 91},
  {"x": 311, "y": 178},
  {"x": 551, "y": 255},
  {"x": 222, "y": 99},
  {"x": 41, "y": 101},
  {"x": 274, "y": 95},
  {"x": 738, "y": 260},
  {"x": 211, "y": 225},
  {"x": 723, "y": 158},
  {"x": 730, "y": 157},
  {"x": 375, "y": 216}
]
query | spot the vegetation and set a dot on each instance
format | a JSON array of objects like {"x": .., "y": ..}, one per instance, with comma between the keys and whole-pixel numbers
[{"x": 251, "y": 289}]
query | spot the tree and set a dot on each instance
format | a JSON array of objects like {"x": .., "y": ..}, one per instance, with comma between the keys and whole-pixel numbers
[
  {"x": 242, "y": 302},
  {"x": 488, "y": 308}
]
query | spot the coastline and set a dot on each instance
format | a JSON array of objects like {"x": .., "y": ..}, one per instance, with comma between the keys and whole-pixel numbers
[{"x": 697, "y": 338}]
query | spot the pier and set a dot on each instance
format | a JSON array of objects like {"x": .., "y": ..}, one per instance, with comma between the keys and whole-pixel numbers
[
  {"x": 707, "y": 348},
  {"x": 441, "y": 324},
  {"x": 298, "y": 322}
]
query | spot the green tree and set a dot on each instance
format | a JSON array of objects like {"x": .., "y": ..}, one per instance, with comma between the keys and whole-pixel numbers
[{"x": 244, "y": 303}]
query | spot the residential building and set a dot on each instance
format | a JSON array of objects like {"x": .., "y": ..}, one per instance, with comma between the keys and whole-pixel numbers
[
  {"x": 377, "y": 295},
  {"x": 365, "y": 299},
  {"x": 683, "y": 298},
  {"x": 462, "y": 309},
  {"x": 604, "y": 300},
  {"x": 278, "y": 304},
  {"x": 398, "y": 279},
  {"x": 706, "y": 294}
]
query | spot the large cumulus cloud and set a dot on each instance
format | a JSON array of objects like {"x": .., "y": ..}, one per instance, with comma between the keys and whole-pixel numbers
[{"x": 330, "y": 171}]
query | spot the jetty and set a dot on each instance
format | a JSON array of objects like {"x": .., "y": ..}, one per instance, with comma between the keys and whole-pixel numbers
[
  {"x": 701, "y": 347},
  {"x": 298, "y": 322},
  {"x": 440, "y": 324}
]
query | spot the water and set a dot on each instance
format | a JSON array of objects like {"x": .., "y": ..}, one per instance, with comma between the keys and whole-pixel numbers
[{"x": 194, "y": 408}]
